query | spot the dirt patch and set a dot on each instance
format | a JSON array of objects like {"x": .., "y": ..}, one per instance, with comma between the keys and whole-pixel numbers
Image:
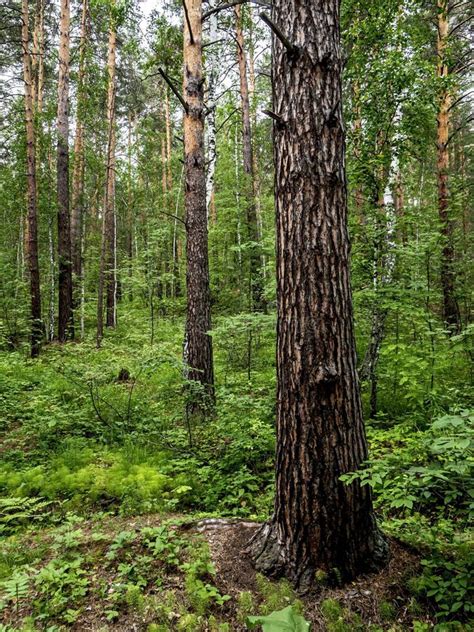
[{"x": 228, "y": 542}]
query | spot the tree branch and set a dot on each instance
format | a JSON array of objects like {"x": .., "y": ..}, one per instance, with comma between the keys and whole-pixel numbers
[
  {"x": 459, "y": 25},
  {"x": 276, "y": 117},
  {"x": 174, "y": 90},
  {"x": 459, "y": 129},
  {"x": 188, "y": 22},
  {"x": 463, "y": 96},
  {"x": 291, "y": 48},
  {"x": 229, "y": 5}
]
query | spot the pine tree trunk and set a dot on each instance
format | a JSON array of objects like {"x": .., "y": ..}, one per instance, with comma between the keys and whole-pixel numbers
[
  {"x": 198, "y": 342},
  {"x": 318, "y": 522},
  {"x": 32, "y": 220},
  {"x": 451, "y": 312},
  {"x": 65, "y": 313},
  {"x": 256, "y": 291}
]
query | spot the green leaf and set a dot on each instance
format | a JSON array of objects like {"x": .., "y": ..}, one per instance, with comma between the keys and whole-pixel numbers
[{"x": 286, "y": 620}]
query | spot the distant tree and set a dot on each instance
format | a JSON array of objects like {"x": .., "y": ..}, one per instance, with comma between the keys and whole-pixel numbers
[
  {"x": 32, "y": 216},
  {"x": 65, "y": 312}
]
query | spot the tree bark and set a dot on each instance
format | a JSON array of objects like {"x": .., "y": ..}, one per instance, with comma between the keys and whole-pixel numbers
[
  {"x": 256, "y": 290},
  {"x": 451, "y": 312},
  {"x": 65, "y": 312},
  {"x": 32, "y": 219},
  {"x": 198, "y": 342},
  {"x": 318, "y": 521}
]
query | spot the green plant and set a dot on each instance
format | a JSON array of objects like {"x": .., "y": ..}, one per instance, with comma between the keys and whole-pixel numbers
[
  {"x": 16, "y": 511},
  {"x": 15, "y": 588},
  {"x": 245, "y": 605},
  {"x": 275, "y": 595},
  {"x": 286, "y": 620},
  {"x": 387, "y": 610},
  {"x": 59, "y": 585}
]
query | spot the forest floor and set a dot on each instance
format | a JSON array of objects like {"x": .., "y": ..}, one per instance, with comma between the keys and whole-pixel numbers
[
  {"x": 118, "y": 513},
  {"x": 155, "y": 573}
]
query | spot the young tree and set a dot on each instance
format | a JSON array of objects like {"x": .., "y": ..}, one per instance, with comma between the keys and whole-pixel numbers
[
  {"x": 318, "y": 522},
  {"x": 65, "y": 313},
  {"x": 198, "y": 342},
  {"x": 32, "y": 220}
]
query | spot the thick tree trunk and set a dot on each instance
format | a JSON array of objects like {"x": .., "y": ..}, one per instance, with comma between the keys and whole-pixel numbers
[
  {"x": 450, "y": 305},
  {"x": 198, "y": 342},
  {"x": 318, "y": 522},
  {"x": 78, "y": 173},
  {"x": 32, "y": 220},
  {"x": 65, "y": 313},
  {"x": 256, "y": 291}
]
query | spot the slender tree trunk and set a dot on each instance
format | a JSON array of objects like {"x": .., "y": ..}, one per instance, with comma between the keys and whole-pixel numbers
[
  {"x": 319, "y": 522},
  {"x": 65, "y": 313},
  {"x": 359, "y": 195},
  {"x": 211, "y": 129},
  {"x": 78, "y": 173},
  {"x": 384, "y": 261},
  {"x": 256, "y": 171},
  {"x": 130, "y": 203},
  {"x": 107, "y": 271},
  {"x": 256, "y": 290},
  {"x": 198, "y": 342},
  {"x": 32, "y": 223},
  {"x": 52, "y": 275},
  {"x": 109, "y": 202},
  {"x": 450, "y": 305},
  {"x": 111, "y": 223},
  {"x": 168, "y": 142}
]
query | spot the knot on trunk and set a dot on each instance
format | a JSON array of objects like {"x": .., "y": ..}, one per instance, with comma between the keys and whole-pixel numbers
[{"x": 325, "y": 374}]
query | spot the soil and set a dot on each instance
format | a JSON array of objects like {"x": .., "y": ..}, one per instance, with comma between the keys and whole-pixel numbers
[{"x": 228, "y": 542}]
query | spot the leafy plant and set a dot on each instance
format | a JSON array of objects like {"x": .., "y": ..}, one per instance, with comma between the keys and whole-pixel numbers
[{"x": 286, "y": 620}]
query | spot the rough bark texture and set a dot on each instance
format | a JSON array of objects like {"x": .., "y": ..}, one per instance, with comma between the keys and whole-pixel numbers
[
  {"x": 65, "y": 313},
  {"x": 450, "y": 305},
  {"x": 318, "y": 522},
  {"x": 198, "y": 343},
  {"x": 248, "y": 164},
  {"x": 32, "y": 221}
]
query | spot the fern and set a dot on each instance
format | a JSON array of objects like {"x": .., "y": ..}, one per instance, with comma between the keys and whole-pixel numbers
[
  {"x": 14, "y": 511},
  {"x": 15, "y": 588}
]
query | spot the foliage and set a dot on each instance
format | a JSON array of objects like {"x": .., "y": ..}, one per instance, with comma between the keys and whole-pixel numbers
[{"x": 286, "y": 620}]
